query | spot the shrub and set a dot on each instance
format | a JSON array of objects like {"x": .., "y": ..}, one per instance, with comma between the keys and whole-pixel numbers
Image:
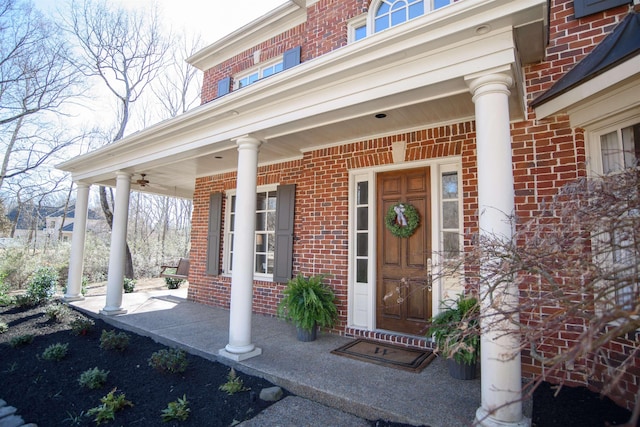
[
  {"x": 42, "y": 285},
  {"x": 93, "y": 378},
  {"x": 81, "y": 326},
  {"x": 173, "y": 283},
  {"x": 4, "y": 327},
  {"x": 24, "y": 300},
  {"x": 57, "y": 351},
  {"x": 112, "y": 340},
  {"x": 169, "y": 360},
  {"x": 110, "y": 405},
  {"x": 234, "y": 383},
  {"x": 5, "y": 298},
  {"x": 176, "y": 410},
  {"x": 21, "y": 340},
  {"x": 58, "y": 312},
  {"x": 129, "y": 285}
]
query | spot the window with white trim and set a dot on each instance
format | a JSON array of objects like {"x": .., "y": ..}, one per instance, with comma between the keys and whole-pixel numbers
[
  {"x": 389, "y": 13},
  {"x": 613, "y": 150},
  {"x": 450, "y": 215},
  {"x": 264, "y": 70},
  {"x": 264, "y": 243},
  {"x": 357, "y": 28}
]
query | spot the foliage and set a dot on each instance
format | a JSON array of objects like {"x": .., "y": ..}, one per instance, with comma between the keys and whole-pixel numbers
[
  {"x": 173, "y": 283},
  {"x": 398, "y": 228},
  {"x": 112, "y": 340},
  {"x": 55, "y": 352},
  {"x": 93, "y": 378},
  {"x": 81, "y": 325},
  {"x": 169, "y": 360},
  {"x": 456, "y": 330},
  {"x": 4, "y": 327},
  {"x": 308, "y": 302},
  {"x": 176, "y": 410},
  {"x": 21, "y": 340},
  {"x": 129, "y": 285},
  {"x": 234, "y": 383},
  {"x": 5, "y": 298},
  {"x": 57, "y": 312},
  {"x": 24, "y": 300},
  {"x": 42, "y": 285},
  {"x": 111, "y": 403},
  {"x": 83, "y": 287}
]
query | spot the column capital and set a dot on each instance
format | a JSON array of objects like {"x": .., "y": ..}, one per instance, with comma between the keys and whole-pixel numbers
[
  {"x": 489, "y": 83},
  {"x": 247, "y": 142},
  {"x": 123, "y": 174},
  {"x": 82, "y": 184}
]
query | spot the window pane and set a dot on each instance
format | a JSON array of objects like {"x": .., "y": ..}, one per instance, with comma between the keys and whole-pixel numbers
[
  {"x": 437, "y": 4},
  {"x": 278, "y": 67},
  {"x": 451, "y": 244},
  {"x": 630, "y": 146},
  {"x": 363, "y": 244},
  {"x": 362, "y": 218},
  {"x": 416, "y": 9},
  {"x": 232, "y": 222},
  {"x": 610, "y": 152},
  {"x": 361, "y": 271},
  {"x": 261, "y": 242},
  {"x": 271, "y": 243},
  {"x": 261, "y": 221},
  {"x": 261, "y": 201},
  {"x": 450, "y": 214},
  {"x": 384, "y": 8},
  {"x": 267, "y": 72},
  {"x": 382, "y": 23},
  {"x": 398, "y": 17},
  {"x": 253, "y": 78},
  {"x": 271, "y": 221},
  {"x": 399, "y": 4},
  {"x": 363, "y": 193},
  {"x": 450, "y": 185},
  {"x": 261, "y": 263},
  {"x": 272, "y": 201},
  {"x": 360, "y": 32}
]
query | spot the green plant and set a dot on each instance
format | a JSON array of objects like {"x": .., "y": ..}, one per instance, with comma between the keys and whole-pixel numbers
[
  {"x": 112, "y": 340},
  {"x": 308, "y": 302},
  {"x": 57, "y": 352},
  {"x": 234, "y": 383},
  {"x": 42, "y": 285},
  {"x": 93, "y": 378},
  {"x": 24, "y": 300},
  {"x": 173, "y": 283},
  {"x": 111, "y": 403},
  {"x": 21, "y": 340},
  {"x": 456, "y": 330},
  {"x": 176, "y": 410},
  {"x": 4, "y": 327},
  {"x": 75, "y": 420},
  {"x": 81, "y": 325},
  {"x": 129, "y": 285},
  {"x": 5, "y": 298},
  {"x": 169, "y": 360},
  {"x": 57, "y": 312}
]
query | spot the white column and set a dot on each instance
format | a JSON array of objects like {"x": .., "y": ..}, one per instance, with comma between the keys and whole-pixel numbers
[
  {"x": 500, "y": 354},
  {"x": 117, "y": 251},
  {"x": 76, "y": 259},
  {"x": 240, "y": 346}
]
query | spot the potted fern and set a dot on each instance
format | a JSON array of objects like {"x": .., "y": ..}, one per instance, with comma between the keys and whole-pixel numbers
[
  {"x": 457, "y": 335},
  {"x": 308, "y": 303}
]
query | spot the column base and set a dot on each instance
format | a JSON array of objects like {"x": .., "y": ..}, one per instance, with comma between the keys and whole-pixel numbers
[
  {"x": 108, "y": 311},
  {"x": 239, "y": 357},
  {"x": 72, "y": 298},
  {"x": 484, "y": 419}
]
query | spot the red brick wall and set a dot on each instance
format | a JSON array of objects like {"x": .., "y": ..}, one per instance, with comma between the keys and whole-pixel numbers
[{"x": 321, "y": 209}]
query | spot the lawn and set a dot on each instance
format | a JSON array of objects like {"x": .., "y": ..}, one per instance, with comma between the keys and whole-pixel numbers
[{"x": 48, "y": 392}]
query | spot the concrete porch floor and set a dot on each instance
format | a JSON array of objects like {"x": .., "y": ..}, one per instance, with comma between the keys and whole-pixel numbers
[{"x": 306, "y": 369}]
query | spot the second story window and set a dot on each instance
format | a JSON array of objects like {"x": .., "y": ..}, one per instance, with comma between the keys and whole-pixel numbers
[
  {"x": 266, "y": 70},
  {"x": 394, "y": 12}
]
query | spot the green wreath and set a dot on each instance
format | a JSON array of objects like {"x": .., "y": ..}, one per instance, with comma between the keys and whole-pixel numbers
[{"x": 402, "y": 219}]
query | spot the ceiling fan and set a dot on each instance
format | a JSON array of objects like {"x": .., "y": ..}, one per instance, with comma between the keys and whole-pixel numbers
[{"x": 142, "y": 182}]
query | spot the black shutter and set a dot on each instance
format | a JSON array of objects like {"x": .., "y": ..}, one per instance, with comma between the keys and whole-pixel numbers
[
  {"x": 213, "y": 234},
  {"x": 588, "y": 7},
  {"x": 283, "y": 262},
  {"x": 224, "y": 86},
  {"x": 291, "y": 58}
]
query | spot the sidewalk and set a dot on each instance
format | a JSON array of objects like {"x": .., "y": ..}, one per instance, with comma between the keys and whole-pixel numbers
[{"x": 306, "y": 369}]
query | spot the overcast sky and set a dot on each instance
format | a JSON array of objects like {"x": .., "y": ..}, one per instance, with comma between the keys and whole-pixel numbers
[{"x": 213, "y": 19}]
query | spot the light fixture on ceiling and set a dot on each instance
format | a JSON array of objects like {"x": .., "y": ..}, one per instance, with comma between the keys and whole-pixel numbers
[{"x": 380, "y": 116}]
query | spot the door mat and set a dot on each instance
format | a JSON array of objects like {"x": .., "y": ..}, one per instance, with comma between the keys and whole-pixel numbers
[{"x": 395, "y": 356}]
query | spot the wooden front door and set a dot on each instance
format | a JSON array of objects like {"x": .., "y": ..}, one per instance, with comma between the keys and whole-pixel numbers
[{"x": 403, "y": 290}]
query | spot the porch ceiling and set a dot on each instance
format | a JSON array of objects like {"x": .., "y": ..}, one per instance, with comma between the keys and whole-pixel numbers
[{"x": 415, "y": 74}]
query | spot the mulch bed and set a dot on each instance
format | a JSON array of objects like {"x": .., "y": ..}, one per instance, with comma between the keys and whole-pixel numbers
[{"x": 47, "y": 392}]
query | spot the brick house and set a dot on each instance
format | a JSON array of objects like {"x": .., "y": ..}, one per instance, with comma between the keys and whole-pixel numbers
[{"x": 332, "y": 112}]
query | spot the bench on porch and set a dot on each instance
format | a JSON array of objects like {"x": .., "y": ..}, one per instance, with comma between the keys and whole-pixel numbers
[{"x": 181, "y": 270}]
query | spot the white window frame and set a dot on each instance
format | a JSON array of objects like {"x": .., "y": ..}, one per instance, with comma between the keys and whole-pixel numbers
[
  {"x": 257, "y": 70},
  {"x": 354, "y": 24},
  {"x": 228, "y": 236}
]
